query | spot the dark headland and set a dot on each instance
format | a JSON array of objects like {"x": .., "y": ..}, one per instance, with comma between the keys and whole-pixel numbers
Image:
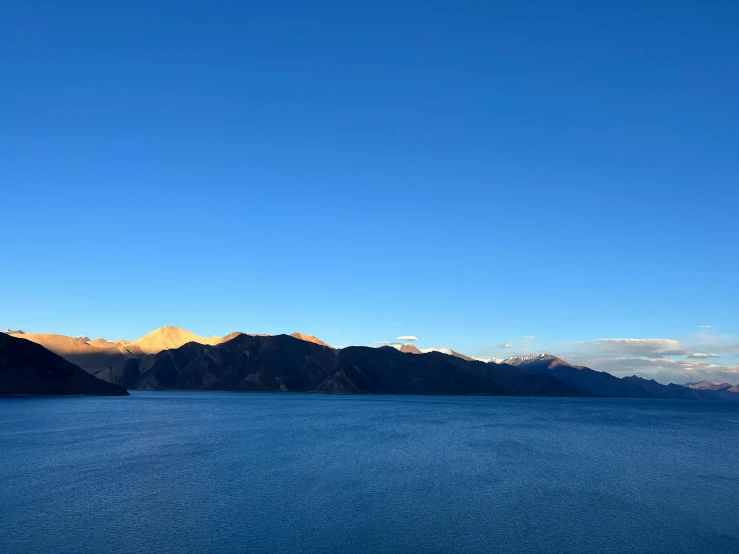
[{"x": 27, "y": 368}]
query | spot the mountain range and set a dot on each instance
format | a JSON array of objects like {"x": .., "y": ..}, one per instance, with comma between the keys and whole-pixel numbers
[
  {"x": 29, "y": 368},
  {"x": 174, "y": 358},
  {"x": 708, "y": 385}
]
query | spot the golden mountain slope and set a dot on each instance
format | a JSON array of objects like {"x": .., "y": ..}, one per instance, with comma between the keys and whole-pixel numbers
[
  {"x": 58, "y": 344},
  {"x": 166, "y": 338},
  {"x": 309, "y": 338},
  {"x": 102, "y": 343},
  {"x": 89, "y": 358}
]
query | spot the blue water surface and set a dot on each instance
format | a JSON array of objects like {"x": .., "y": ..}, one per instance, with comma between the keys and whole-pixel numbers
[{"x": 193, "y": 472}]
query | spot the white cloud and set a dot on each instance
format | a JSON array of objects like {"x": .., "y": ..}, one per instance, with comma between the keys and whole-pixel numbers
[
  {"x": 641, "y": 347},
  {"x": 528, "y": 337},
  {"x": 506, "y": 345},
  {"x": 381, "y": 342},
  {"x": 708, "y": 372},
  {"x": 666, "y": 360},
  {"x": 409, "y": 338},
  {"x": 706, "y": 326}
]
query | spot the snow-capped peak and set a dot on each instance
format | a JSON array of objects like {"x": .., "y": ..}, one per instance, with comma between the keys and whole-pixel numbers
[
  {"x": 518, "y": 360},
  {"x": 448, "y": 351}
]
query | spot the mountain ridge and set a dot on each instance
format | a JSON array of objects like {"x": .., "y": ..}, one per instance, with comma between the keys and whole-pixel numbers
[
  {"x": 27, "y": 368},
  {"x": 283, "y": 363},
  {"x": 139, "y": 363}
]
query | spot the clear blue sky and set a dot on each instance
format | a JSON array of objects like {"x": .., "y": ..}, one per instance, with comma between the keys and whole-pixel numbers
[{"x": 466, "y": 172}]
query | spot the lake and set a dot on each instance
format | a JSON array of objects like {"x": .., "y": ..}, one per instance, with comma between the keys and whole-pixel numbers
[{"x": 193, "y": 472}]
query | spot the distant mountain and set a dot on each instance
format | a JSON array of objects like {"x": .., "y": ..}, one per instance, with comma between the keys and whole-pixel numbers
[
  {"x": 708, "y": 385},
  {"x": 405, "y": 348},
  {"x": 725, "y": 390},
  {"x": 309, "y": 338},
  {"x": 284, "y": 363},
  {"x": 121, "y": 361},
  {"x": 166, "y": 338},
  {"x": 102, "y": 343},
  {"x": 27, "y": 368},
  {"x": 600, "y": 383},
  {"x": 114, "y": 361},
  {"x": 90, "y": 358},
  {"x": 521, "y": 360},
  {"x": 449, "y": 352},
  {"x": 229, "y": 337}
]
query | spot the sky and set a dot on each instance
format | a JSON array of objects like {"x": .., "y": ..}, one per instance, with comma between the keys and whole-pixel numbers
[{"x": 493, "y": 177}]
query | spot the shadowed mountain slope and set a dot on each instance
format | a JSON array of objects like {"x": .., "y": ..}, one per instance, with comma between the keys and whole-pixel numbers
[
  {"x": 284, "y": 363},
  {"x": 27, "y": 368},
  {"x": 450, "y": 352}
]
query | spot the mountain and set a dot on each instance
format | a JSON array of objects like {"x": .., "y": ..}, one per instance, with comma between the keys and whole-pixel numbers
[
  {"x": 229, "y": 337},
  {"x": 405, "y": 348},
  {"x": 102, "y": 343},
  {"x": 309, "y": 338},
  {"x": 724, "y": 390},
  {"x": 170, "y": 357},
  {"x": 82, "y": 338},
  {"x": 521, "y": 360},
  {"x": 166, "y": 338},
  {"x": 600, "y": 383},
  {"x": 708, "y": 385},
  {"x": 450, "y": 352},
  {"x": 27, "y": 368},
  {"x": 89, "y": 358},
  {"x": 284, "y": 363},
  {"x": 122, "y": 362},
  {"x": 114, "y": 361}
]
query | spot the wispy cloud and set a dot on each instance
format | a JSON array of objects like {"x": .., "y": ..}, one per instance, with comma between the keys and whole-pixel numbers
[
  {"x": 409, "y": 338},
  {"x": 706, "y": 326},
  {"x": 381, "y": 342},
  {"x": 528, "y": 337},
  {"x": 727, "y": 348},
  {"x": 701, "y": 355}
]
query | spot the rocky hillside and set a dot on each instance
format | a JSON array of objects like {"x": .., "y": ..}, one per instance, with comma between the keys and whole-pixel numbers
[{"x": 27, "y": 368}]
